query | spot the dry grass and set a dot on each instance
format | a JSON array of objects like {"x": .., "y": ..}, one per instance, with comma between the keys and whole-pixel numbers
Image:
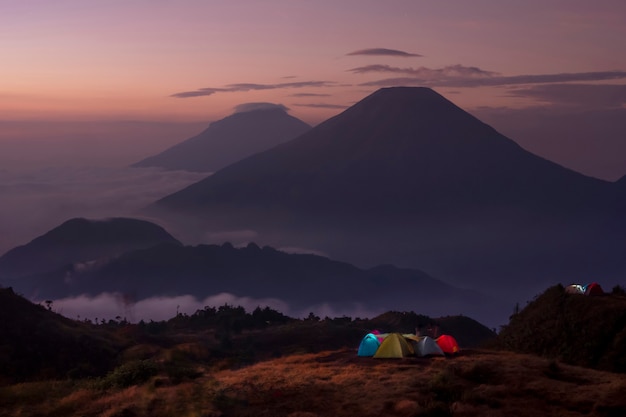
[{"x": 338, "y": 383}]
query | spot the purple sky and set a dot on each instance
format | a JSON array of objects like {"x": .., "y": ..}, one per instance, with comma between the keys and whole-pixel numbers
[{"x": 193, "y": 61}]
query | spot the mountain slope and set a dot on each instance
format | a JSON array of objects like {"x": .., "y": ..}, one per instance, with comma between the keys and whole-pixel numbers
[
  {"x": 397, "y": 149},
  {"x": 577, "y": 329},
  {"x": 37, "y": 343},
  {"x": 229, "y": 140},
  {"x": 303, "y": 282},
  {"x": 80, "y": 240}
]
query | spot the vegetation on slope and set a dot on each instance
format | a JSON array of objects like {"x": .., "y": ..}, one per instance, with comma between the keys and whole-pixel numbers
[{"x": 583, "y": 330}]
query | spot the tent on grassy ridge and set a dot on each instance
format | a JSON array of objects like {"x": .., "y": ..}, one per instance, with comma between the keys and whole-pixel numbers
[
  {"x": 594, "y": 289},
  {"x": 394, "y": 346},
  {"x": 369, "y": 345},
  {"x": 448, "y": 344},
  {"x": 426, "y": 346}
]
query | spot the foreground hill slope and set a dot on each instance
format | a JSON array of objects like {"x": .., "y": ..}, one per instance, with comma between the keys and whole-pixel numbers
[
  {"x": 338, "y": 383},
  {"x": 37, "y": 343},
  {"x": 578, "y": 329},
  {"x": 406, "y": 177},
  {"x": 80, "y": 240},
  {"x": 229, "y": 140}
]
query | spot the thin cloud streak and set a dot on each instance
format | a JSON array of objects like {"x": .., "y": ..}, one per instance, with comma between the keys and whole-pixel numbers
[
  {"x": 383, "y": 52},
  {"x": 596, "y": 96},
  {"x": 309, "y": 95},
  {"x": 447, "y": 72},
  {"x": 442, "y": 78},
  {"x": 321, "y": 105},
  {"x": 246, "y": 107},
  {"x": 245, "y": 87}
]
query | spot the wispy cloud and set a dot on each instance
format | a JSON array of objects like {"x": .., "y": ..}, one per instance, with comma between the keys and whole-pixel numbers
[
  {"x": 246, "y": 107},
  {"x": 580, "y": 95},
  {"x": 452, "y": 71},
  {"x": 461, "y": 76},
  {"x": 309, "y": 95},
  {"x": 243, "y": 87},
  {"x": 321, "y": 105},
  {"x": 383, "y": 52}
]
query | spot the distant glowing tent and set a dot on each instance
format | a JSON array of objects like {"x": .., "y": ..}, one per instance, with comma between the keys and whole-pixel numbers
[
  {"x": 394, "y": 346},
  {"x": 448, "y": 344},
  {"x": 593, "y": 289},
  {"x": 369, "y": 345},
  {"x": 575, "y": 289}
]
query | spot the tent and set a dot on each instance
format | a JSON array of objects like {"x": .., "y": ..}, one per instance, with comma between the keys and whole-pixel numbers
[
  {"x": 427, "y": 346},
  {"x": 594, "y": 289},
  {"x": 448, "y": 344},
  {"x": 369, "y": 345},
  {"x": 575, "y": 289},
  {"x": 394, "y": 346}
]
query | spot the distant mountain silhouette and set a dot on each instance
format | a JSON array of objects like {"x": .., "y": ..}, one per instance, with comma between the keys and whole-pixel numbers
[
  {"x": 80, "y": 240},
  {"x": 406, "y": 177},
  {"x": 302, "y": 281},
  {"x": 229, "y": 140}
]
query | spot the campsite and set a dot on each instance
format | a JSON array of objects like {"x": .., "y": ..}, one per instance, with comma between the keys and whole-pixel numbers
[{"x": 228, "y": 362}]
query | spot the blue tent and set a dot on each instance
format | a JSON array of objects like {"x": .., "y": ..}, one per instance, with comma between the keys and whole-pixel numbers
[{"x": 369, "y": 345}]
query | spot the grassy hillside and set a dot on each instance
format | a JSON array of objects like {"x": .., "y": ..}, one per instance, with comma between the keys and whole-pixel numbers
[
  {"x": 577, "y": 329},
  {"x": 37, "y": 343},
  {"x": 340, "y": 384}
]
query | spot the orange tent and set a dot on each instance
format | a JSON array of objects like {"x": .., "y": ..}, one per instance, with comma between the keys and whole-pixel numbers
[{"x": 448, "y": 344}]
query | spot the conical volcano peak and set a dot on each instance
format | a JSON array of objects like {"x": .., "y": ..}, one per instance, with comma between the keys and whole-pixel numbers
[{"x": 405, "y": 104}]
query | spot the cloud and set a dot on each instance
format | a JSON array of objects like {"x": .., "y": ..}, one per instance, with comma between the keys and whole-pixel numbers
[
  {"x": 109, "y": 306},
  {"x": 383, "y": 52},
  {"x": 244, "y": 87},
  {"x": 461, "y": 76},
  {"x": 321, "y": 105},
  {"x": 451, "y": 71},
  {"x": 593, "y": 96},
  {"x": 246, "y": 107},
  {"x": 39, "y": 200},
  {"x": 309, "y": 95}
]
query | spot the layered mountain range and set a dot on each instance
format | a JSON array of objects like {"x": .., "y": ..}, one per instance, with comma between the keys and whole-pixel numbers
[
  {"x": 407, "y": 177},
  {"x": 166, "y": 268}
]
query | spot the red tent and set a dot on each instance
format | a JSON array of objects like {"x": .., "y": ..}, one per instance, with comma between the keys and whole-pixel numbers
[
  {"x": 594, "y": 289},
  {"x": 448, "y": 344}
]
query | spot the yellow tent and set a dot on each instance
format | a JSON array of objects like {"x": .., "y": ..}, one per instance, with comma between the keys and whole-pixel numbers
[{"x": 394, "y": 346}]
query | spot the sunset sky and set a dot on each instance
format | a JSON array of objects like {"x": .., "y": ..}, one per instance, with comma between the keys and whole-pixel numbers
[{"x": 195, "y": 60}]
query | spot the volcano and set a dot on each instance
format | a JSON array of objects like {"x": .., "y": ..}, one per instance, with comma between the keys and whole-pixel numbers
[
  {"x": 406, "y": 177},
  {"x": 229, "y": 140}
]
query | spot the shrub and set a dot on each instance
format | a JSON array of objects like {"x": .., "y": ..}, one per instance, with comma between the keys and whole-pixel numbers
[{"x": 131, "y": 373}]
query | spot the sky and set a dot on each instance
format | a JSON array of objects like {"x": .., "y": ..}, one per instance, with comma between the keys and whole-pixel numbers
[
  {"x": 87, "y": 87},
  {"x": 70, "y": 67}
]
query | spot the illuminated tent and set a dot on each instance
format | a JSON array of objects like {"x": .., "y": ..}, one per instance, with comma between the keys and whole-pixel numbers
[
  {"x": 594, "y": 289},
  {"x": 394, "y": 346},
  {"x": 448, "y": 344},
  {"x": 426, "y": 346},
  {"x": 369, "y": 345}
]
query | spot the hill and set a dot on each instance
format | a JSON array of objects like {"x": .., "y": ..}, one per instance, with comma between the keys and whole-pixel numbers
[
  {"x": 40, "y": 344},
  {"x": 337, "y": 383},
  {"x": 406, "y": 177},
  {"x": 229, "y": 140},
  {"x": 301, "y": 282},
  {"x": 79, "y": 240},
  {"x": 577, "y": 329}
]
